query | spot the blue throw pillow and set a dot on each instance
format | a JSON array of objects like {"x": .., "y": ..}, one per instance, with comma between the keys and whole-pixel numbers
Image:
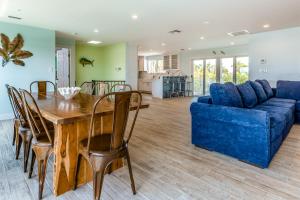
[
  {"x": 248, "y": 94},
  {"x": 259, "y": 91},
  {"x": 225, "y": 95},
  {"x": 267, "y": 88}
]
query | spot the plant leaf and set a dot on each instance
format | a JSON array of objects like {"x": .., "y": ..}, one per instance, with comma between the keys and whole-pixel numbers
[
  {"x": 4, "y": 55},
  {"x": 4, "y": 41},
  {"x": 16, "y": 44},
  {"x": 19, "y": 62},
  {"x": 20, "y": 54}
]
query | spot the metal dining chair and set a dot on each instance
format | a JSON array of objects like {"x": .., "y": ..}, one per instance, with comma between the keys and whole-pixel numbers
[
  {"x": 120, "y": 88},
  {"x": 22, "y": 132},
  {"x": 42, "y": 141},
  {"x": 101, "y": 149},
  {"x": 101, "y": 88},
  {"x": 42, "y": 86},
  {"x": 87, "y": 88},
  {"x": 9, "y": 94}
]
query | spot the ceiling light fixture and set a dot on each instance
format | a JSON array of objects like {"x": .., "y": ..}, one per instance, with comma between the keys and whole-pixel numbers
[
  {"x": 134, "y": 17},
  {"x": 238, "y": 33},
  {"x": 96, "y": 30},
  {"x": 206, "y": 22},
  {"x": 94, "y": 42},
  {"x": 163, "y": 44},
  {"x": 232, "y": 43},
  {"x": 266, "y": 26},
  {"x": 189, "y": 48},
  {"x": 3, "y": 7},
  {"x": 202, "y": 38}
]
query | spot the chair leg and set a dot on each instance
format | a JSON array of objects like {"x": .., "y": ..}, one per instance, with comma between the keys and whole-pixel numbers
[
  {"x": 42, "y": 169},
  {"x": 98, "y": 182},
  {"x": 77, "y": 171},
  {"x": 130, "y": 173},
  {"x": 33, "y": 158},
  {"x": 14, "y": 136},
  {"x": 18, "y": 146},
  {"x": 26, "y": 145}
]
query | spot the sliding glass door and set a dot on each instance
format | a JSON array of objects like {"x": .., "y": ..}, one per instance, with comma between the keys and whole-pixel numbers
[
  {"x": 205, "y": 73},
  {"x": 198, "y": 66},
  {"x": 226, "y": 69}
]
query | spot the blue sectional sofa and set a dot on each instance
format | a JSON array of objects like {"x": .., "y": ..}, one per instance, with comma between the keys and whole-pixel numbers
[{"x": 247, "y": 121}]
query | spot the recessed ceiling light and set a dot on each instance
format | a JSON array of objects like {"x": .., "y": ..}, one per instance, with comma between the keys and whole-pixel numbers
[
  {"x": 206, "y": 22},
  {"x": 189, "y": 48},
  {"x": 232, "y": 43},
  {"x": 94, "y": 42},
  {"x": 163, "y": 44},
  {"x": 134, "y": 17},
  {"x": 151, "y": 50},
  {"x": 266, "y": 26},
  {"x": 96, "y": 30},
  {"x": 202, "y": 38}
]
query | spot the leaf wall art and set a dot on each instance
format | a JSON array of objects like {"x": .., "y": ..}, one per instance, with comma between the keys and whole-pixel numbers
[{"x": 12, "y": 50}]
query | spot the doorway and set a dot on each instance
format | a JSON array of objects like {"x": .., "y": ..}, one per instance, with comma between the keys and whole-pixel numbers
[{"x": 63, "y": 67}]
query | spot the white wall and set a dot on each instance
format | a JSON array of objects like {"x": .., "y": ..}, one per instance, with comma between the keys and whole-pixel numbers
[
  {"x": 186, "y": 58},
  {"x": 132, "y": 65},
  {"x": 41, "y": 66},
  {"x": 281, "y": 50},
  {"x": 69, "y": 44}
]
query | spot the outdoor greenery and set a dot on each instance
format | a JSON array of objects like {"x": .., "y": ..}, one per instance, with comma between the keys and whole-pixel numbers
[{"x": 210, "y": 73}]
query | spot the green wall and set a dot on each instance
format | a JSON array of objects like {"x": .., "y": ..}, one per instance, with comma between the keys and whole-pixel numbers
[{"x": 106, "y": 60}]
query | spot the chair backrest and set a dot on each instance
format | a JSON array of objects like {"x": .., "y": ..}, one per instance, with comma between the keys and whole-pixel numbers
[
  {"x": 122, "y": 102},
  {"x": 87, "y": 88},
  {"x": 101, "y": 88},
  {"x": 42, "y": 86},
  {"x": 36, "y": 122},
  {"x": 17, "y": 105},
  {"x": 120, "y": 88},
  {"x": 10, "y": 99}
]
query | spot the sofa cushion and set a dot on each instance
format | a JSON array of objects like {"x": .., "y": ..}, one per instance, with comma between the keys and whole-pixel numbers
[
  {"x": 288, "y": 89},
  {"x": 279, "y": 104},
  {"x": 259, "y": 91},
  {"x": 248, "y": 94},
  {"x": 267, "y": 88},
  {"x": 225, "y": 94},
  {"x": 298, "y": 106},
  {"x": 275, "y": 99},
  {"x": 205, "y": 99}
]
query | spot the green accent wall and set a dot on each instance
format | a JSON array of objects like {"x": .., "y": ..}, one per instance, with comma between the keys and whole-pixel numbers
[{"x": 106, "y": 61}]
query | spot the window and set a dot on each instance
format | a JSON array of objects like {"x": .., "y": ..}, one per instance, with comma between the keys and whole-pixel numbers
[
  {"x": 226, "y": 70},
  {"x": 208, "y": 71},
  {"x": 154, "y": 64},
  {"x": 242, "y": 69}
]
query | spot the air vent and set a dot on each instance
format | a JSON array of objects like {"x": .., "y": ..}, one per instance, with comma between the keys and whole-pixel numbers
[
  {"x": 176, "y": 31},
  {"x": 14, "y": 17},
  {"x": 239, "y": 33}
]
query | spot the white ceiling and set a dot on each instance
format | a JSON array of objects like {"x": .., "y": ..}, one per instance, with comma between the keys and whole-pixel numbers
[{"x": 156, "y": 18}]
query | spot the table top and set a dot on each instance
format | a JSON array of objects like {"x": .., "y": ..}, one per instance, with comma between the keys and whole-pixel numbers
[{"x": 56, "y": 109}]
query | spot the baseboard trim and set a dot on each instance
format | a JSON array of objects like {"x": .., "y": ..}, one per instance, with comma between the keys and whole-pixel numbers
[{"x": 6, "y": 116}]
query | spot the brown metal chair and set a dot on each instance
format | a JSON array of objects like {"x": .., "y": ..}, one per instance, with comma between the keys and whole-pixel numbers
[
  {"x": 120, "y": 88},
  {"x": 42, "y": 86},
  {"x": 101, "y": 88},
  {"x": 101, "y": 149},
  {"x": 22, "y": 132},
  {"x": 87, "y": 88},
  {"x": 42, "y": 142},
  {"x": 14, "y": 111}
]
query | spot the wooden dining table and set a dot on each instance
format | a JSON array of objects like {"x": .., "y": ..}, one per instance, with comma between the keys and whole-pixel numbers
[{"x": 71, "y": 119}]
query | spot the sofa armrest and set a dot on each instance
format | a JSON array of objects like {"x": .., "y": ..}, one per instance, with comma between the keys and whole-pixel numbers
[
  {"x": 238, "y": 132},
  {"x": 205, "y": 99}
]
